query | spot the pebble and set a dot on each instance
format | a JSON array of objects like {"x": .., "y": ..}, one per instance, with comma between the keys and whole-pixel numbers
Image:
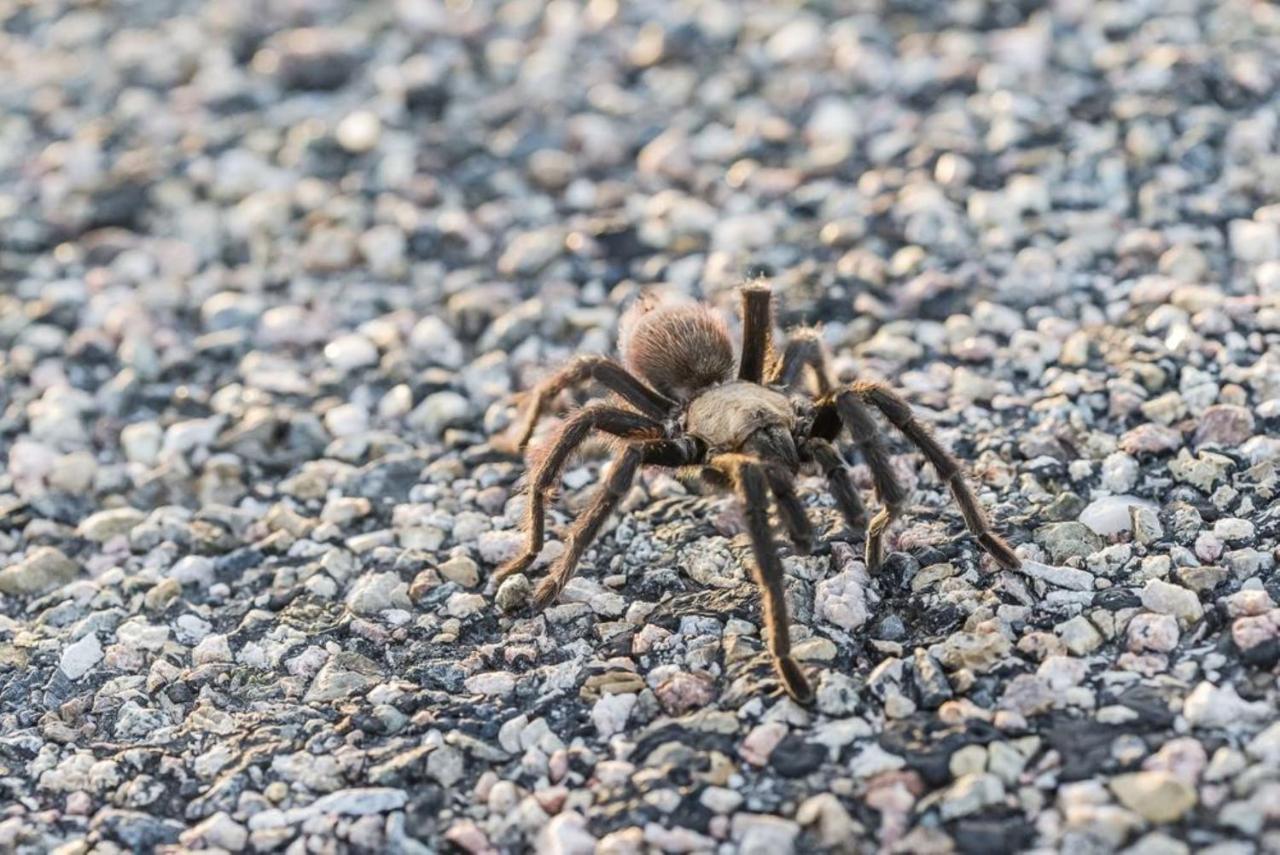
[
  {"x": 1061, "y": 577},
  {"x": 1155, "y": 796},
  {"x": 217, "y": 831},
  {"x": 378, "y": 592},
  {"x": 1233, "y": 530},
  {"x": 79, "y": 658},
  {"x": 465, "y": 605},
  {"x": 342, "y": 675},
  {"x": 43, "y": 568},
  {"x": 1150, "y": 439},
  {"x": 761, "y": 741},
  {"x": 211, "y": 649},
  {"x": 514, "y": 593},
  {"x": 611, "y": 712},
  {"x": 433, "y": 342},
  {"x": 971, "y": 793},
  {"x": 842, "y": 599},
  {"x": 491, "y": 683},
  {"x": 1253, "y": 241},
  {"x": 1203, "y": 471},
  {"x": 1168, "y": 599},
  {"x": 1065, "y": 540},
  {"x": 351, "y": 352},
  {"x": 439, "y": 411},
  {"x": 141, "y": 442},
  {"x": 832, "y": 822},
  {"x": 566, "y": 834},
  {"x": 1110, "y": 515},
  {"x": 1120, "y": 473},
  {"x": 1153, "y": 632},
  {"x": 1213, "y": 706},
  {"x": 1080, "y": 636},
  {"x": 193, "y": 570},
  {"x": 761, "y": 833},
  {"x": 462, "y": 570},
  {"x": 682, "y": 692},
  {"x": 359, "y": 132},
  {"x": 104, "y": 525},
  {"x": 1146, "y": 525},
  {"x": 1225, "y": 425}
]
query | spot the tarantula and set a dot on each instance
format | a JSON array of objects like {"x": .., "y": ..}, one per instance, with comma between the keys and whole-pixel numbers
[{"x": 679, "y": 404}]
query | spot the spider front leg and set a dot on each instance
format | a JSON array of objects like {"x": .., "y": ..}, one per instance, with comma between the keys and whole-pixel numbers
[
  {"x": 595, "y": 417},
  {"x": 845, "y": 408},
  {"x": 849, "y": 403},
  {"x": 588, "y": 526},
  {"x": 899, "y": 413},
  {"x": 752, "y": 486},
  {"x": 839, "y": 480},
  {"x": 790, "y": 508},
  {"x": 663, "y": 452},
  {"x": 609, "y": 373}
]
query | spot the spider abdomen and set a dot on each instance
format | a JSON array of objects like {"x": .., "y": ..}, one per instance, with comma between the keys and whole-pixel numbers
[
  {"x": 725, "y": 417},
  {"x": 679, "y": 349}
]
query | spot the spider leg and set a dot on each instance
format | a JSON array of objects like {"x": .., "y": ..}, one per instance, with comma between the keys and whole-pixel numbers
[
  {"x": 665, "y": 452},
  {"x": 609, "y": 373},
  {"x": 848, "y": 409},
  {"x": 752, "y": 487},
  {"x": 839, "y": 480},
  {"x": 804, "y": 348},
  {"x": 757, "y": 332},
  {"x": 674, "y": 453},
  {"x": 899, "y": 414},
  {"x": 588, "y": 526},
  {"x": 790, "y": 508},
  {"x": 611, "y": 420}
]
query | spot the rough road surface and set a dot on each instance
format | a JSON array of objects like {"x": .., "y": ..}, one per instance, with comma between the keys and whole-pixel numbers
[{"x": 271, "y": 272}]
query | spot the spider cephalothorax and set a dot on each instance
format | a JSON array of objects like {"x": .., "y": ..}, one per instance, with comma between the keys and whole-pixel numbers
[{"x": 680, "y": 404}]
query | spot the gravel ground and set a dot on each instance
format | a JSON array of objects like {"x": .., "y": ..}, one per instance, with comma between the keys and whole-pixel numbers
[{"x": 272, "y": 272}]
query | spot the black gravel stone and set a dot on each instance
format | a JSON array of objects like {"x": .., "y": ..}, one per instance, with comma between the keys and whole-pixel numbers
[{"x": 794, "y": 757}]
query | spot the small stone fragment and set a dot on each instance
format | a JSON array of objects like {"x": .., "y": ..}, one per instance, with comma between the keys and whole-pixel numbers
[
  {"x": 80, "y": 657},
  {"x": 1155, "y": 796},
  {"x": 1165, "y": 598},
  {"x": 43, "y": 568}
]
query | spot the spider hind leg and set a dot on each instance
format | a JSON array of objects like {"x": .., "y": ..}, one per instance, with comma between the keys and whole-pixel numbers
[{"x": 757, "y": 333}]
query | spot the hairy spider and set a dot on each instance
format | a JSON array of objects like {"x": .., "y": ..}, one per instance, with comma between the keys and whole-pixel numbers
[{"x": 679, "y": 404}]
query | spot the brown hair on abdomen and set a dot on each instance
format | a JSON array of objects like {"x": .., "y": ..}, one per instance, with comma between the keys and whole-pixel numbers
[{"x": 679, "y": 349}]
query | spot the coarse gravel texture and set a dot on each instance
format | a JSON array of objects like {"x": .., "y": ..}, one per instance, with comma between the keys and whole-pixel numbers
[{"x": 271, "y": 273}]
